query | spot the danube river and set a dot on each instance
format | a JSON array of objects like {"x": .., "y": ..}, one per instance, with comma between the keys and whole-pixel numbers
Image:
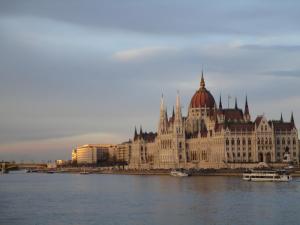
[{"x": 51, "y": 199}]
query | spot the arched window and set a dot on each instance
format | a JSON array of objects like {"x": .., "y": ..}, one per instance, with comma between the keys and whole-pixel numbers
[
  {"x": 258, "y": 141},
  {"x": 232, "y": 141},
  {"x": 244, "y": 141},
  {"x": 288, "y": 141},
  {"x": 294, "y": 141},
  {"x": 266, "y": 141},
  {"x": 227, "y": 141},
  {"x": 180, "y": 144},
  {"x": 238, "y": 141},
  {"x": 249, "y": 141}
]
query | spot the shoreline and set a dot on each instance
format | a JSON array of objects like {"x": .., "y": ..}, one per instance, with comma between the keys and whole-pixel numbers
[{"x": 203, "y": 172}]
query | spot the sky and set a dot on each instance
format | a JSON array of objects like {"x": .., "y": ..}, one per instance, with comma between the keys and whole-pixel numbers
[{"x": 77, "y": 72}]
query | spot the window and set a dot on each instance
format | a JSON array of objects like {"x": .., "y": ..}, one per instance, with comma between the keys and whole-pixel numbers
[
  {"x": 232, "y": 141},
  {"x": 244, "y": 141},
  {"x": 288, "y": 141},
  {"x": 294, "y": 141},
  {"x": 180, "y": 145},
  {"x": 249, "y": 141},
  {"x": 258, "y": 141},
  {"x": 283, "y": 141},
  {"x": 227, "y": 142},
  {"x": 238, "y": 141},
  {"x": 270, "y": 141},
  {"x": 278, "y": 141}
]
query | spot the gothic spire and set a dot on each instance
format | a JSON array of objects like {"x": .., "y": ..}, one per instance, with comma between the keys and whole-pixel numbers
[
  {"x": 220, "y": 103},
  {"x": 173, "y": 113},
  {"x": 178, "y": 107},
  {"x": 246, "y": 106},
  {"x": 141, "y": 130},
  {"x": 202, "y": 83},
  {"x": 235, "y": 105},
  {"x": 281, "y": 118},
  {"x": 135, "y": 133},
  {"x": 292, "y": 119}
]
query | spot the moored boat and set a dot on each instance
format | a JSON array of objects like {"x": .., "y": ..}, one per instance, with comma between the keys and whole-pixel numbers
[
  {"x": 177, "y": 173},
  {"x": 267, "y": 175}
]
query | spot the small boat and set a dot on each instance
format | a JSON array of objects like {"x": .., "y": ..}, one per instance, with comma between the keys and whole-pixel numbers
[
  {"x": 84, "y": 172},
  {"x": 267, "y": 175},
  {"x": 177, "y": 173},
  {"x": 50, "y": 171}
]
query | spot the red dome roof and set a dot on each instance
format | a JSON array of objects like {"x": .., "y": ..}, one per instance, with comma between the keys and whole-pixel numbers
[{"x": 202, "y": 97}]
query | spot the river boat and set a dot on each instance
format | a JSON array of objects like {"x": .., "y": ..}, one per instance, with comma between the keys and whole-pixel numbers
[
  {"x": 84, "y": 172},
  {"x": 267, "y": 175},
  {"x": 177, "y": 173}
]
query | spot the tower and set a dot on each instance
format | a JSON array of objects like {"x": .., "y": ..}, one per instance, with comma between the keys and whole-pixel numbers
[{"x": 247, "y": 116}]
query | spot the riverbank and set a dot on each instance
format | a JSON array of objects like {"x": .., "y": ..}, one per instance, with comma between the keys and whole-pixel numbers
[{"x": 194, "y": 172}]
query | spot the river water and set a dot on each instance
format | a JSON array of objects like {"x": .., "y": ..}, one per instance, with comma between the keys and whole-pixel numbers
[{"x": 51, "y": 199}]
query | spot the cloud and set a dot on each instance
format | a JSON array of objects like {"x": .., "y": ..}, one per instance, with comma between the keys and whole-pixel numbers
[
  {"x": 284, "y": 73},
  {"x": 141, "y": 53},
  {"x": 58, "y": 147}
]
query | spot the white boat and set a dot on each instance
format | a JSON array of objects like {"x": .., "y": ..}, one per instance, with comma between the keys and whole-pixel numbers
[
  {"x": 177, "y": 173},
  {"x": 84, "y": 172},
  {"x": 267, "y": 175}
]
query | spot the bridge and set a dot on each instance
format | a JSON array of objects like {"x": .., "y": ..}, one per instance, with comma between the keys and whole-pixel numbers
[{"x": 7, "y": 166}]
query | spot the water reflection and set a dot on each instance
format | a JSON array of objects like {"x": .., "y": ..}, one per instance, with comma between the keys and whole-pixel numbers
[{"x": 114, "y": 199}]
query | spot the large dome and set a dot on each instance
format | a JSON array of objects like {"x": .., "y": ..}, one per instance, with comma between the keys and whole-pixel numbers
[{"x": 202, "y": 98}]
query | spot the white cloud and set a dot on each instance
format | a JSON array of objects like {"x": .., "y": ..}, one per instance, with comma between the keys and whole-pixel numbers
[{"x": 141, "y": 53}]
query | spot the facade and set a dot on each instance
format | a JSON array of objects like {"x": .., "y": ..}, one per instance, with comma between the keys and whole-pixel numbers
[
  {"x": 92, "y": 154},
  {"x": 123, "y": 152},
  {"x": 211, "y": 136}
]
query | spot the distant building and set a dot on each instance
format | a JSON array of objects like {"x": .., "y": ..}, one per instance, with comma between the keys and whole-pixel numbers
[
  {"x": 123, "y": 152},
  {"x": 211, "y": 136},
  {"x": 92, "y": 153},
  {"x": 74, "y": 156}
]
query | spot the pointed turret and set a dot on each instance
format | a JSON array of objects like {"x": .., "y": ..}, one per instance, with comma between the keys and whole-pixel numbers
[
  {"x": 281, "y": 118},
  {"x": 163, "y": 117},
  {"x": 141, "y": 130},
  {"x": 246, "y": 106},
  {"x": 202, "y": 82},
  {"x": 173, "y": 112},
  {"x": 246, "y": 112},
  {"x": 220, "y": 103},
  {"x": 235, "y": 105},
  {"x": 135, "y": 133},
  {"x": 292, "y": 119},
  {"x": 178, "y": 108}
]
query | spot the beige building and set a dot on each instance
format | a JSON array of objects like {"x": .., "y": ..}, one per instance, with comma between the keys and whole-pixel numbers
[
  {"x": 123, "y": 152},
  {"x": 211, "y": 136},
  {"x": 93, "y": 153}
]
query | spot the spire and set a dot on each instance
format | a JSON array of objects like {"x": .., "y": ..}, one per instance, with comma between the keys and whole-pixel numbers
[
  {"x": 162, "y": 102},
  {"x": 178, "y": 107},
  {"x": 141, "y": 130},
  {"x": 220, "y": 103},
  {"x": 173, "y": 113},
  {"x": 235, "y": 105},
  {"x": 135, "y": 133},
  {"x": 202, "y": 83},
  {"x": 166, "y": 114},
  {"x": 281, "y": 118},
  {"x": 292, "y": 119},
  {"x": 246, "y": 106}
]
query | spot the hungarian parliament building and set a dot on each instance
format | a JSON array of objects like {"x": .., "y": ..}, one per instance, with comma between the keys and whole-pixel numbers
[{"x": 212, "y": 137}]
